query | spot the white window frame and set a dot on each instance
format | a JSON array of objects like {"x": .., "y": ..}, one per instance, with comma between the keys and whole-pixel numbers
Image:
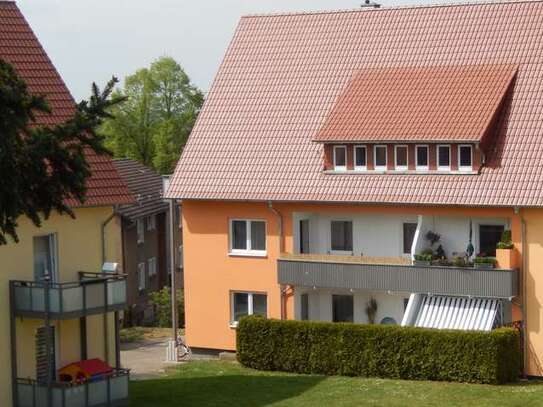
[
  {"x": 150, "y": 222},
  {"x": 380, "y": 167},
  {"x": 142, "y": 285},
  {"x": 401, "y": 167},
  {"x": 443, "y": 167},
  {"x": 250, "y": 305},
  {"x": 140, "y": 230},
  {"x": 340, "y": 167},
  {"x": 360, "y": 167},
  {"x": 151, "y": 266},
  {"x": 248, "y": 251},
  {"x": 465, "y": 168},
  {"x": 422, "y": 167}
]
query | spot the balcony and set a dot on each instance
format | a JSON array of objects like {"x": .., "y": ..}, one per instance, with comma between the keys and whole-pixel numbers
[
  {"x": 394, "y": 274},
  {"x": 110, "y": 390},
  {"x": 94, "y": 293}
]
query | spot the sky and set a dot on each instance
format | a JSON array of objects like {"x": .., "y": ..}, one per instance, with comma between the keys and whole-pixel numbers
[{"x": 91, "y": 40}]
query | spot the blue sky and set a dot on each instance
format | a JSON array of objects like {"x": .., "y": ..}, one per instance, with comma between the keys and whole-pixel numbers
[{"x": 91, "y": 40}]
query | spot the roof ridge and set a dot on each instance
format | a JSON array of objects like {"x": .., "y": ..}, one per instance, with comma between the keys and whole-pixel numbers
[{"x": 388, "y": 8}]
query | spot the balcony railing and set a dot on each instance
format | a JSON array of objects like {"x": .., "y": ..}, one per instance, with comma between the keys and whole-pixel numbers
[
  {"x": 394, "y": 274},
  {"x": 110, "y": 390},
  {"x": 94, "y": 293}
]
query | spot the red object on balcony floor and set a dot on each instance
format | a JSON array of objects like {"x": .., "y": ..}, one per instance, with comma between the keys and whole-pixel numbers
[{"x": 84, "y": 370}]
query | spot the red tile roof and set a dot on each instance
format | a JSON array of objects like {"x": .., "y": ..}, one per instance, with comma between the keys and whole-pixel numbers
[
  {"x": 437, "y": 103},
  {"x": 20, "y": 47},
  {"x": 282, "y": 75}
]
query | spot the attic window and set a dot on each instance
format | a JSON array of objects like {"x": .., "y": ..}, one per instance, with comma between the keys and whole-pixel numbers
[
  {"x": 340, "y": 158},
  {"x": 465, "y": 158},
  {"x": 400, "y": 154},
  {"x": 444, "y": 157},
  {"x": 360, "y": 158},
  {"x": 380, "y": 158},
  {"x": 422, "y": 158}
]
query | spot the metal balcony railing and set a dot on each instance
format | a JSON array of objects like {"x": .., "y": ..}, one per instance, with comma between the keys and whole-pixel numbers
[
  {"x": 380, "y": 274},
  {"x": 94, "y": 293},
  {"x": 110, "y": 390}
]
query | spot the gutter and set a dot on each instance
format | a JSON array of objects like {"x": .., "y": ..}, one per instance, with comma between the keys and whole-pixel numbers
[{"x": 523, "y": 301}]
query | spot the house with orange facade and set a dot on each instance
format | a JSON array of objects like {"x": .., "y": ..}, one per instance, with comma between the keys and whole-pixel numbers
[{"x": 379, "y": 165}]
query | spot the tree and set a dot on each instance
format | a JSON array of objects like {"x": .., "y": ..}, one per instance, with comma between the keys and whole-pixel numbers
[
  {"x": 43, "y": 166},
  {"x": 155, "y": 124},
  {"x": 162, "y": 300}
]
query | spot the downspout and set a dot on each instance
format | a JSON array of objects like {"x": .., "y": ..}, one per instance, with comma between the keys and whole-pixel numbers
[
  {"x": 524, "y": 307},
  {"x": 283, "y": 289},
  {"x": 103, "y": 232}
]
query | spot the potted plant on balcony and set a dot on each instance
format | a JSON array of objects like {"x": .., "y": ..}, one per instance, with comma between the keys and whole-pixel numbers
[
  {"x": 484, "y": 262},
  {"x": 424, "y": 258},
  {"x": 506, "y": 254}
]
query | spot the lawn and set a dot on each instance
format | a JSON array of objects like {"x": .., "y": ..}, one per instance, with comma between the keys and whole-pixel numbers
[{"x": 215, "y": 383}]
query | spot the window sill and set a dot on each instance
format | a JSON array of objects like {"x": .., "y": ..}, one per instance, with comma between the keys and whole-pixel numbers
[
  {"x": 234, "y": 324},
  {"x": 248, "y": 254}
]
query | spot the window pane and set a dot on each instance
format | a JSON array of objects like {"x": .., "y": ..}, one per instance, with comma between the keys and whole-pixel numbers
[
  {"x": 342, "y": 308},
  {"x": 489, "y": 236},
  {"x": 241, "y": 305},
  {"x": 422, "y": 156},
  {"x": 465, "y": 156},
  {"x": 239, "y": 238},
  {"x": 409, "y": 230},
  {"x": 401, "y": 156},
  {"x": 260, "y": 305},
  {"x": 258, "y": 235},
  {"x": 342, "y": 235},
  {"x": 380, "y": 156},
  {"x": 339, "y": 157},
  {"x": 360, "y": 154},
  {"x": 304, "y": 236},
  {"x": 443, "y": 156}
]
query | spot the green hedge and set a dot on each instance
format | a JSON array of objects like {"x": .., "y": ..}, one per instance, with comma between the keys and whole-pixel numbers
[{"x": 379, "y": 351}]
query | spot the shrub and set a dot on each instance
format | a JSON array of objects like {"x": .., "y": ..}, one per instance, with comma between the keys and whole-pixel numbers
[
  {"x": 162, "y": 300},
  {"x": 379, "y": 351},
  {"x": 423, "y": 257},
  {"x": 506, "y": 241}
]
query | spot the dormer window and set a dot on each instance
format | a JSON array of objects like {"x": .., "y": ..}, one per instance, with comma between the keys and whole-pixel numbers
[
  {"x": 421, "y": 158},
  {"x": 443, "y": 158},
  {"x": 400, "y": 158},
  {"x": 465, "y": 158},
  {"x": 360, "y": 158},
  {"x": 340, "y": 158},
  {"x": 380, "y": 154}
]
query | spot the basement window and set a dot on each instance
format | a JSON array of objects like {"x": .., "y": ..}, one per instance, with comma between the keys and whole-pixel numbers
[{"x": 247, "y": 237}]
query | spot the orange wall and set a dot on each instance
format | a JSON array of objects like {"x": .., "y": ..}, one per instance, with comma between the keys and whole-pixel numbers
[{"x": 211, "y": 274}]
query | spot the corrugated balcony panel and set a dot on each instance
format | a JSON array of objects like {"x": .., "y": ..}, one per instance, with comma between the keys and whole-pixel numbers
[{"x": 401, "y": 278}]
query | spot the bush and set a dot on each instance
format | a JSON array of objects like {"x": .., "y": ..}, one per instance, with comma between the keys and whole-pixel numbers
[
  {"x": 506, "y": 241},
  {"x": 162, "y": 302},
  {"x": 379, "y": 351},
  {"x": 485, "y": 260}
]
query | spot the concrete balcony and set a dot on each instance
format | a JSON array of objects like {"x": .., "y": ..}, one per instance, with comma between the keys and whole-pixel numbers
[
  {"x": 394, "y": 274},
  {"x": 94, "y": 293}
]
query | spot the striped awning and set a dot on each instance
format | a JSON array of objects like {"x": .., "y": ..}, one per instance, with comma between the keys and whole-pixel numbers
[{"x": 442, "y": 312}]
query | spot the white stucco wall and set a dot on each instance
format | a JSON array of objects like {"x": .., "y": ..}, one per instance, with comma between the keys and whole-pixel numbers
[
  {"x": 320, "y": 304},
  {"x": 382, "y": 235}
]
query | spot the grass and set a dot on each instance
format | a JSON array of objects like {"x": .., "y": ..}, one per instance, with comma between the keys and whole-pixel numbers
[
  {"x": 140, "y": 334},
  {"x": 218, "y": 383}
]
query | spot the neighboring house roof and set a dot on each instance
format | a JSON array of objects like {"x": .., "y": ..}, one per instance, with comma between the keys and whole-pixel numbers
[
  {"x": 283, "y": 74},
  {"x": 438, "y": 103},
  {"x": 20, "y": 47},
  {"x": 146, "y": 185}
]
